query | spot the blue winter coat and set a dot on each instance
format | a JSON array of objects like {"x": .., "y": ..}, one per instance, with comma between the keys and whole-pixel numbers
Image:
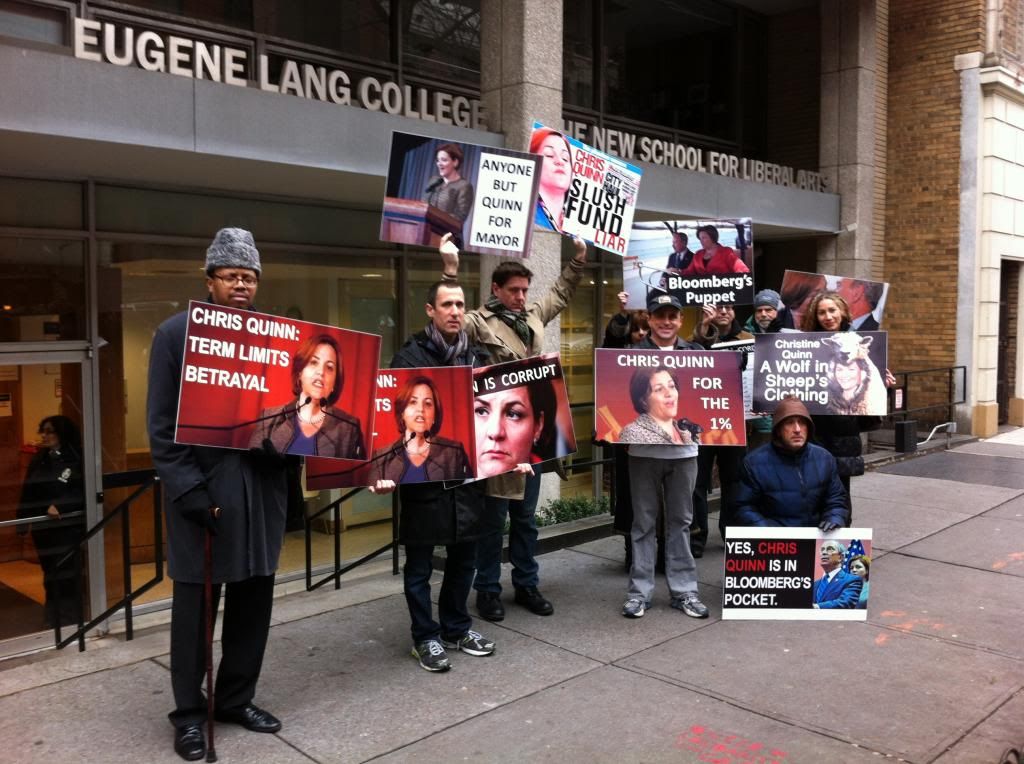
[{"x": 781, "y": 488}]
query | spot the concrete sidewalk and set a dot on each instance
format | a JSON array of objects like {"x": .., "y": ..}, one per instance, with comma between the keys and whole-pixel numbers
[{"x": 935, "y": 674}]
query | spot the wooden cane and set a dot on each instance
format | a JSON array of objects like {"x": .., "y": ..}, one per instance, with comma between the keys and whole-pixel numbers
[{"x": 211, "y": 751}]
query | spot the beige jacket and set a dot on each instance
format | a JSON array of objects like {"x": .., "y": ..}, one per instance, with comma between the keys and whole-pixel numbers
[{"x": 502, "y": 343}]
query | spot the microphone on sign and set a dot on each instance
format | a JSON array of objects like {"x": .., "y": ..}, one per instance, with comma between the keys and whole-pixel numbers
[{"x": 223, "y": 427}]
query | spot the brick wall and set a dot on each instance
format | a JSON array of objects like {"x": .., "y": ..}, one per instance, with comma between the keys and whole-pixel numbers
[
  {"x": 922, "y": 193},
  {"x": 1010, "y": 44}
]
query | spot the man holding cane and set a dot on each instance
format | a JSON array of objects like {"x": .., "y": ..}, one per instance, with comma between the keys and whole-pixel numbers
[{"x": 237, "y": 498}]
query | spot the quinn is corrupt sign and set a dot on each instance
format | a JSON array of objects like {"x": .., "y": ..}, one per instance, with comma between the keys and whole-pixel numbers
[
  {"x": 253, "y": 380},
  {"x": 521, "y": 414}
]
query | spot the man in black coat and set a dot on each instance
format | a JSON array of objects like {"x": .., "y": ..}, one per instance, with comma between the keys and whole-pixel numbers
[
  {"x": 435, "y": 515},
  {"x": 239, "y": 496}
]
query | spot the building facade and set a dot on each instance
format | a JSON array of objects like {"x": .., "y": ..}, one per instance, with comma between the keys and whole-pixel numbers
[{"x": 131, "y": 131}]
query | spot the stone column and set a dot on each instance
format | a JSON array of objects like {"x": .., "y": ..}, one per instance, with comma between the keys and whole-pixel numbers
[
  {"x": 521, "y": 81},
  {"x": 848, "y": 131}
]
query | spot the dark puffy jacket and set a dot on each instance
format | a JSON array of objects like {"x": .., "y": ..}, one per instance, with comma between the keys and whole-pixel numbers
[
  {"x": 840, "y": 436},
  {"x": 432, "y": 515},
  {"x": 781, "y": 488}
]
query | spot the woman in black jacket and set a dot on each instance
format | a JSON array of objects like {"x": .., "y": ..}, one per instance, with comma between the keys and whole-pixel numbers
[
  {"x": 53, "y": 490},
  {"x": 839, "y": 435}
]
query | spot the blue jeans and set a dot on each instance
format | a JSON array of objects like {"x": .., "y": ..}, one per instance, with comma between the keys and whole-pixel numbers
[
  {"x": 522, "y": 540},
  {"x": 452, "y": 608}
]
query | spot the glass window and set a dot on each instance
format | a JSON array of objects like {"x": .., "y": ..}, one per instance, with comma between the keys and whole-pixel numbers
[
  {"x": 42, "y": 290},
  {"x": 233, "y": 13},
  {"x": 578, "y": 341},
  {"x": 441, "y": 38},
  {"x": 32, "y": 22},
  {"x": 148, "y": 283},
  {"x": 136, "y": 210},
  {"x": 578, "y": 55},
  {"x": 41, "y": 204},
  {"x": 354, "y": 27},
  {"x": 36, "y": 590},
  {"x": 672, "y": 64}
]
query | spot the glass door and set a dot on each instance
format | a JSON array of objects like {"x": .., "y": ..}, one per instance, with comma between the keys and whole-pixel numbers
[{"x": 47, "y": 491}]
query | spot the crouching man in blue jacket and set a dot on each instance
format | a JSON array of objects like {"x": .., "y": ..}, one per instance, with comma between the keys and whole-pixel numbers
[{"x": 791, "y": 481}]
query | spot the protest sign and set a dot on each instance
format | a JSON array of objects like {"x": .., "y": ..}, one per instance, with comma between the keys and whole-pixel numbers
[
  {"x": 423, "y": 432},
  {"x": 484, "y": 196},
  {"x": 697, "y": 261},
  {"x": 747, "y": 348},
  {"x": 250, "y": 377},
  {"x": 780, "y": 573},
  {"x": 521, "y": 413},
  {"x": 583, "y": 191},
  {"x": 865, "y": 298},
  {"x": 832, "y": 373},
  {"x": 698, "y": 392}
]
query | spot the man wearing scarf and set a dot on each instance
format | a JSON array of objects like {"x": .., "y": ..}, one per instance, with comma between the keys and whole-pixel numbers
[
  {"x": 510, "y": 328},
  {"x": 438, "y": 514}
]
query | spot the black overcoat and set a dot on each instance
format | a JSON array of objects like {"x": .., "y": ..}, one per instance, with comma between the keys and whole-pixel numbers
[
  {"x": 431, "y": 514},
  {"x": 250, "y": 490}
]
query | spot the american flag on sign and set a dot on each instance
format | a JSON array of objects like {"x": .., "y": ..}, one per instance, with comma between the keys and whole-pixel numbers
[{"x": 855, "y": 549}]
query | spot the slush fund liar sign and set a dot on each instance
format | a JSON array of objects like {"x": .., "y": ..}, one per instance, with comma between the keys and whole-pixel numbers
[{"x": 126, "y": 46}]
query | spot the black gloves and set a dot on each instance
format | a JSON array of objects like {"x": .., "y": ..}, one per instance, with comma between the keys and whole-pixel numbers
[
  {"x": 267, "y": 455},
  {"x": 827, "y": 525},
  {"x": 204, "y": 517}
]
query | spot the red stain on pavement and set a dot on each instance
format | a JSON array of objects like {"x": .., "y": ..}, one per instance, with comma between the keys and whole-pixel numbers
[
  {"x": 726, "y": 748},
  {"x": 911, "y": 624},
  {"x": 1011, "y": 557},
  {"x": 881, "y": 639}
]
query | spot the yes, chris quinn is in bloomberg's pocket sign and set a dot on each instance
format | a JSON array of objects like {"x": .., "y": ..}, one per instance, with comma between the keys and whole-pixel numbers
[{"x": 796, "y": 574}]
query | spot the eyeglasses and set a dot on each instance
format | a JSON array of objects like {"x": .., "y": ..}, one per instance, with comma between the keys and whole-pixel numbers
[
  {"x": 231, "y": 279},
  {"x": 47, "y": 431}
]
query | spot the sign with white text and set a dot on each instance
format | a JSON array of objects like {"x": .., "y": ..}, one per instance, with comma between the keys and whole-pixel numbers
[
  {"x": 584, "y": 192},
  {"x": 483, "y": 196},
  {"x": 796, "y": 574},
  {"x": 669, "y": 397},
  {"x": 832, "y": 373},
  {"x": 252, "y": 380}
]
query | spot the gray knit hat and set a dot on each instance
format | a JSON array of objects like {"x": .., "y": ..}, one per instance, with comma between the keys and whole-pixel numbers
[
  {"x": 232, "y": 248},
  {"x": 767, "y": 297}
]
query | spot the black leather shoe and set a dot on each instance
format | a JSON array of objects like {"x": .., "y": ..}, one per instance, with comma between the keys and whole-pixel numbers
[
  {"x": 251, "y": 717},
  {"x": 534, "y": 601},
  {"x": 189, "y": 742},
  {"x": 488, "y": 605}
]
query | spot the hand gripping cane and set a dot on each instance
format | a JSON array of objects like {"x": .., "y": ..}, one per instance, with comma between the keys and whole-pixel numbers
[{"x": 211, "y": 751}]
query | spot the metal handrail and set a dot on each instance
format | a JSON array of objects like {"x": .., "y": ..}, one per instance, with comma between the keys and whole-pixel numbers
[
  {"x": 949, "y": 404},
  {"x": 339, "y": 571},
  {"x": 145, "y": 480},
  {"x": 39, "y": 519}
]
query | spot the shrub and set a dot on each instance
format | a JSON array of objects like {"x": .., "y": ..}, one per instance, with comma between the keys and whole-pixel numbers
[{"x": 567, "y": 508}]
